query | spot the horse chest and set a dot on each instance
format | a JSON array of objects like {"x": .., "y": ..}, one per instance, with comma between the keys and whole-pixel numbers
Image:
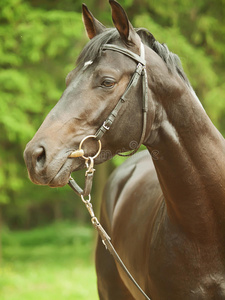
[{"x": 182, "y": 269}]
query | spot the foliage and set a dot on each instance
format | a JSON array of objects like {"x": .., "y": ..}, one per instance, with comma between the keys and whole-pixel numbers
[
  {"x": 39, "y": 43},
  {"x": 198, "y": 66},
  {"x": 37, "y": 49},
  {"x": 54, "y": 262}
]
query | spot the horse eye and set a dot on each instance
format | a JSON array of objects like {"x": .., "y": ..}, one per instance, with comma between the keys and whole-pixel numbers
[{"x": 108, "y": 84}]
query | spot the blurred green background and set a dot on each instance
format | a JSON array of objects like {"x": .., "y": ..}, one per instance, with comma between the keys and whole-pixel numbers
[{"x": 46, "y": 248}]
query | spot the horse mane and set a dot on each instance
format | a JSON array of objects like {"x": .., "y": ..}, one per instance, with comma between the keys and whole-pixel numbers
[
  {"x": 172, "y": 60},
  {"x": 92, "y": 50}
]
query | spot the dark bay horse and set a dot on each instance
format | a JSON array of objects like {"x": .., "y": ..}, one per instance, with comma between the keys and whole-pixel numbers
[{"x": 165, "y": 214}]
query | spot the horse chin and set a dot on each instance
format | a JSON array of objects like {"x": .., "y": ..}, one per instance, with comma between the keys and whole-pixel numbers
[
  {"x": 63, "y": 175},
  {"x": 61, "y": 178}
]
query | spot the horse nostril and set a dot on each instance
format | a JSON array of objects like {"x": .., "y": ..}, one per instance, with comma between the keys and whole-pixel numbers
[{"x": 40, "y": 156}]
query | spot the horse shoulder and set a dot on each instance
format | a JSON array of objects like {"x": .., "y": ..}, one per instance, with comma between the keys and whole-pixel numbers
[{"x": 136, "y": 177}]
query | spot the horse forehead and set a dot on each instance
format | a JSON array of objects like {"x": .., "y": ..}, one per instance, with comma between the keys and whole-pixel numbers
[
  {"x": 108, "y": 59},
  {"x": 115, "y": 60}
]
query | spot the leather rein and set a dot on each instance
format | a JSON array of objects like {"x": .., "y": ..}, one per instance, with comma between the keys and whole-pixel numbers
[{"x": 89, "y": 160}]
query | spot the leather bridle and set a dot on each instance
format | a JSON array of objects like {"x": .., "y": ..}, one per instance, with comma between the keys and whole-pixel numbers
[
  {"x": 139, "y": 72},
  {"x": 89, "y": 161}
]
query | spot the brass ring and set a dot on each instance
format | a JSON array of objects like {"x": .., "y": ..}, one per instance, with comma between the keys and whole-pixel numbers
[{"x": 99, "y": 149}]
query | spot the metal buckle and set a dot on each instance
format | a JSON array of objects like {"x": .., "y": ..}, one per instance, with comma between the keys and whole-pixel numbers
[{"x": 105, "y": 127}]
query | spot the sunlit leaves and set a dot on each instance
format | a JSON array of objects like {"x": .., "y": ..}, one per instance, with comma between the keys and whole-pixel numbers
[{"x": 37, "y": 49}]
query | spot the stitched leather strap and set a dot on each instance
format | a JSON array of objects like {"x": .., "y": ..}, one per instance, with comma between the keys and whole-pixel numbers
[
  {"x": 108, "y": 122},
  {"x": 106, "y": 241},
  {"x": 139, "y": 72},
  {"x": 138, "y": 58}
]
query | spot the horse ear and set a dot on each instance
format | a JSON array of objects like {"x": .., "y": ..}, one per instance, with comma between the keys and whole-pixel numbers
[
  {"x": 122, "y": 22},
  {"x": 93, "y": 26},
  {"x": 146, "y": 36}
]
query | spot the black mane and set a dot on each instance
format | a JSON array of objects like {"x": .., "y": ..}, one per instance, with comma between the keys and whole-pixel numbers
[{"x": 93, "y": 49}]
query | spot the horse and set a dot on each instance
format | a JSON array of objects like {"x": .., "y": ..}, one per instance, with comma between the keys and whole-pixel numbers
[{"x": 164, "y": 208}]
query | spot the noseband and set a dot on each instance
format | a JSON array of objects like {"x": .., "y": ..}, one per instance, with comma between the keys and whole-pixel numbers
[{"x": 139, "y": 72}]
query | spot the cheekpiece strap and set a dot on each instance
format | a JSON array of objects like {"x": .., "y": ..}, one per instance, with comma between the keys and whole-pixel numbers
[{"x": 140, "y": 71}]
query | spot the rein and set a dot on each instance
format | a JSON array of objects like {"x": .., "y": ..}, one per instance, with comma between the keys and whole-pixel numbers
[
  {"x": 89, "y": 160},
  {"x": 86, "y": 192}
]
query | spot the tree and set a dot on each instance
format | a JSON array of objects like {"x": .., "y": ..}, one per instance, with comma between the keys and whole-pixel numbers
[
  {"x": 39, "y": 43},
  {"x": 37, "y": 49}
]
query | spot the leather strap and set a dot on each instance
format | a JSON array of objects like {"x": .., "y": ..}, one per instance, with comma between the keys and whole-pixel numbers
[
  {"x": 87, "y": 188},
  {"x": 108, "y": 245},
  {"x": 140, "y": 72},
  {"x": 108, "y": 122},
  {"x": 138, "y": 58}
]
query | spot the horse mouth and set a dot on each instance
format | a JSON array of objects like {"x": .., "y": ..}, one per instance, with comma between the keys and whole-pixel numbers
[
  {"x": 63, "y": 175},
  {"x": 56, "y": 173},
  {"x": 50, "y": 168}
]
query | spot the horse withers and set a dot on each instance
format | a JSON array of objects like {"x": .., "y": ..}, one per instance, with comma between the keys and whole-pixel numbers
[{"x": 164, "y": 212}]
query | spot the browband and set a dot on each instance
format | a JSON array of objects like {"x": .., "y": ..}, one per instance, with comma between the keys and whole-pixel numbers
[{"x": 138, "y": 58}]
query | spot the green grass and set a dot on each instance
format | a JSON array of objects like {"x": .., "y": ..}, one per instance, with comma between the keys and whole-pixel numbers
[{"x": 54, "y": 262}]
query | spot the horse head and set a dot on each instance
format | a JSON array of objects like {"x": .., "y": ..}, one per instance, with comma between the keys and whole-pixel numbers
[{"x": 93, "y": 89}]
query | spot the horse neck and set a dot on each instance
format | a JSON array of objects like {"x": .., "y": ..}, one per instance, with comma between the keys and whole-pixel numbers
[{"x": 189, "y": 156}]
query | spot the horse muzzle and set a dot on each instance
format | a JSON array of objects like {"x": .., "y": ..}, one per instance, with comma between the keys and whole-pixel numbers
[{"x": 48, "y": 168}]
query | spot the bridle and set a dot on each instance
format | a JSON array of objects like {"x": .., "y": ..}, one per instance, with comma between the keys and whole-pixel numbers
[
  {"x": 139, "y": 72},
  {"x": 89, "y": 160}
]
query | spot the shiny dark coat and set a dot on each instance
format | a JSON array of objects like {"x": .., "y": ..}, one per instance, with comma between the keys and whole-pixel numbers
[{"x": 165, "y": 214}]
